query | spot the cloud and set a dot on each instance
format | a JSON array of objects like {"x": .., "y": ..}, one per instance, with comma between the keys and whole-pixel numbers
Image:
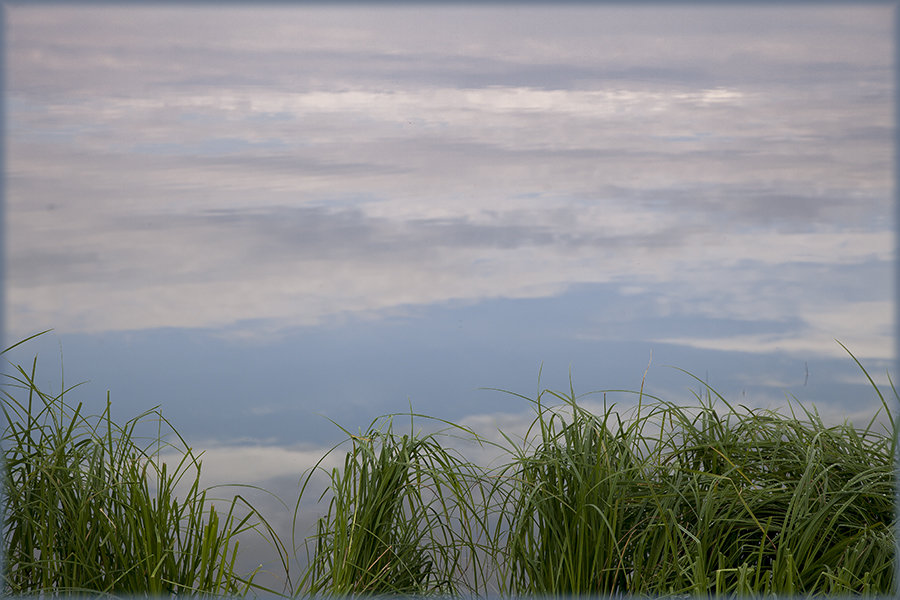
[
  {"x": 223, "y": 464},
  {"x": 287, "y": 168},
  {"x": 867, "y": 328},
  {"x": 302, "y": 265},
  {"x": 441, "y": 45},
  {"x": 816, "y": 344}
]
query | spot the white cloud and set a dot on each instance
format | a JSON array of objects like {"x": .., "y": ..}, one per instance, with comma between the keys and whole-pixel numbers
[
  {"x": 671, "y": 167},
  {"x": 223, "y": 464},
  {"x": 866, "y": 328},
  {"x": 211, "y": 287}
]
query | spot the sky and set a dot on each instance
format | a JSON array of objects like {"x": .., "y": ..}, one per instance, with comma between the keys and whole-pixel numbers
[{"x": 265, "y": 219}]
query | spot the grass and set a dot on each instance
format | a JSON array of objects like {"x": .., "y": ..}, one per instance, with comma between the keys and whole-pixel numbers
[
  {"x": 658, "y": 500},
  {"x": 399, "y": 520},
  {"x": 678, "y": 501},
  {"x": 88, "y": 509}
]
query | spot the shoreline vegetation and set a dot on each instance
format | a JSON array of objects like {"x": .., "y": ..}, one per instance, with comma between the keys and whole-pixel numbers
[{"x": 656, "y": 501}]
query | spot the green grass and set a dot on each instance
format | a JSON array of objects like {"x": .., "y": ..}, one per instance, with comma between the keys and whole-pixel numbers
[
  {"x": 656, "y": 500},
  {"x": 88, "y": 508},
  {"x": 688, "y": 501},
  {"x": 400, "y": 518}
]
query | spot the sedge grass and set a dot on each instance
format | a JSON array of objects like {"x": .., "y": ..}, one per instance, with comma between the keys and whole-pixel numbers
[
  {"x": 695, "y": 501},
  {"x": 400, "y": 519},
  {"x": 570, "y": 504},
  {"x": 89, "y": 510}
]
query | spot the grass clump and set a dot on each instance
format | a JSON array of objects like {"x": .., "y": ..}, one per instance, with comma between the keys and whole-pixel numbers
[
  {"x": 570, "y": 504},
  {"x": 695, "y": 501},
  {"x": 89, "y": 509},
  {"x": 399, "y": 521}
]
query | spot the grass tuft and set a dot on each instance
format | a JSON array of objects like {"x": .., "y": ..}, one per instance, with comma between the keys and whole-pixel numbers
[
  {"x": 703, "y": 500},
  {"x": 89, "y": 509},
  {"x": 400, "y": 518}
]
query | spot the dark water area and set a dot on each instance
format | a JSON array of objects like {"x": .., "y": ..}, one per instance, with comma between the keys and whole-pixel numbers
[{"x": 285, "y": 391}]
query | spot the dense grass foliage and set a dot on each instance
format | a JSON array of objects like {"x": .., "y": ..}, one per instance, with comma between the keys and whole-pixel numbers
[
  {"x": 90, "y": 509},
  {"x": 691, "y": 501},
  {"x": 399, "y": 520},
  {"x": 573, "y": 502},
  {"x": 656, "y": 500}
]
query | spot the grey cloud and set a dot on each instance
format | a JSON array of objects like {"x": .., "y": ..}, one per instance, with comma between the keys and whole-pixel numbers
[
  {"x": 869, "y": 134},
  {"x": 298, "y": 164},
  {"x": 778, "y": 211},
  {"x": 751, "y": 68},
  {"x": 487, "y": 71},
  {"x": 596, "y": 46},
  {"x": 341, "y": 234},
  {"x": 62, "y": 69},
  {"x": 737, "y": 207},
  {"x": 48, "y": 266},
  {"x": 319, "y": 233}
]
